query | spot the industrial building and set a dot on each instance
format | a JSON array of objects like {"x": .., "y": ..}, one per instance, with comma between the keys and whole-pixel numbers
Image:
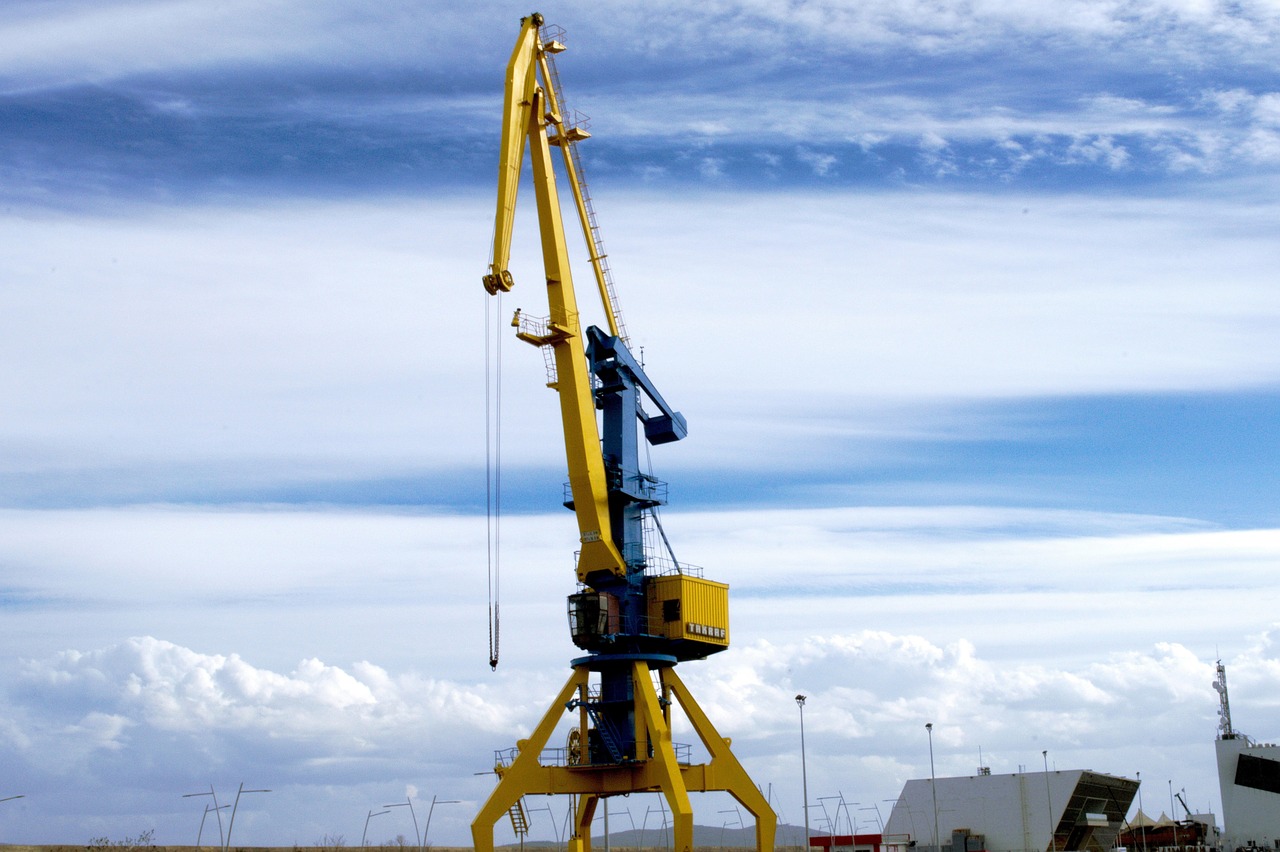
[{"x": 1020, "y": 812}]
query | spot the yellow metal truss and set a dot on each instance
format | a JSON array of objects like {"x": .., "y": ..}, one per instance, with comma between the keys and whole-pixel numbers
[{"x": 659, "y": 773}]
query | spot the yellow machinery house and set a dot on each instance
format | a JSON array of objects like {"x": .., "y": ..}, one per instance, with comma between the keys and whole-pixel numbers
[{"x": 689, "y": 609}]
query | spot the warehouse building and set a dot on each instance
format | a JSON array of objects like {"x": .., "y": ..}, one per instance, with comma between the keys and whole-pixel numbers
[{"x": 1064, "y": 811}]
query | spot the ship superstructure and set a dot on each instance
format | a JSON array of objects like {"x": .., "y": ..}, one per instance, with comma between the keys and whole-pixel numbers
[{"x": 1248, "y": 780}]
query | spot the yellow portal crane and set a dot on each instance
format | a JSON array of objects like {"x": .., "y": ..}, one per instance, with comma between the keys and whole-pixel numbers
[{"x": 637, "y": 614}]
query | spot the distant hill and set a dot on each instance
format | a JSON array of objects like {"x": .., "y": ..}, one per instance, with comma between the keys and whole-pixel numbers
[
  {"x": 704, "y": 837},
  {"x": 707, "y": 838}
]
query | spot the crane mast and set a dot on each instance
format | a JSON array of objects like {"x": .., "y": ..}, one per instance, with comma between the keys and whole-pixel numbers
[{"x": 634, "y": 614}]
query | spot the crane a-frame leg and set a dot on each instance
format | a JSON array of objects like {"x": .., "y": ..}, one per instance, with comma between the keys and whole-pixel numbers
[{"x": 660, "y": 772}]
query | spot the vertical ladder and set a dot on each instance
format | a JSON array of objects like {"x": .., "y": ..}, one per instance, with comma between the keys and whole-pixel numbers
[
  {"x": 606, "y": 733},
  {"x": 1026, "y": 813},
  {"x": 519, "y": 819},
  {"x": 603, "y": 728},
  {"x": 599, "y": 258}
]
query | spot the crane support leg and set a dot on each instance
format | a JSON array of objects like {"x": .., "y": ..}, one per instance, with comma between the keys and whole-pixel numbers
[
  {"x": 663, "y": 770},
  {"x": 586, "y": 811},
  {"x": 523, "y": 775},
  {"x": 724, "y": 772}
]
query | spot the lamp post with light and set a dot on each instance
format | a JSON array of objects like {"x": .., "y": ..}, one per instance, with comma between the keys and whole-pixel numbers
[
  {"x": 408, "y": 802},
  {"x": 434, "y": 801},
  {"x": 804, "y": 772},
  {"x": 217, "y": 809},
  {"x": 364, "y": 838},
  {"x": 226, "y": 846},
  {"x": 1053, "y": 841},
  {"x": 933, "y": 785},
  {"x": 1140, "y": 813}
]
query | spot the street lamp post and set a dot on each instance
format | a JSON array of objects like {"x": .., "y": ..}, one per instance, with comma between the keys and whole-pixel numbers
[
  {"x": 841, "y": 804},
  {"x": 226, "y": 845},
  {"x": 737, "y": 819},
  {"x": 434, "y": 801},
  {"x": 217, "y": 809},
  {"x": 804, "y": 772},
  {"x": 554, "y": 825},
  {"x": 1053, "y": 840},
  {"x": 200, "y": 833},
  {"x": 933, "y": 785},
  {"x": 365, "y": 836},
  {"x": 1141, "y": 814},
  {"x": 408, "y": 802},
  {"x": 662, "y": 811}
]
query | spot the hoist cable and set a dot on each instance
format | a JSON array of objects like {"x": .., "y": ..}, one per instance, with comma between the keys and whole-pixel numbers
[
  {"x": 653, "y": 513},
  {"x": 493, "y": 471}
]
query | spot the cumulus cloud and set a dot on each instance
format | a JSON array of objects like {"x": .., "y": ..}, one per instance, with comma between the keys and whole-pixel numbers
[
  {"x": 1012, "y": 630},
  {"x": 141, "y": 693},
  {"x": 869, "y": 694}
]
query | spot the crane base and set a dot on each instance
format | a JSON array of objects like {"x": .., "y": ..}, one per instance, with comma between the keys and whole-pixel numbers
[{"x": 660, "y": 773}]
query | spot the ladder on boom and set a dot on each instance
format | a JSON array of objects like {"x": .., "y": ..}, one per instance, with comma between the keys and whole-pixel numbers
[{"x": 577, "y": 129}]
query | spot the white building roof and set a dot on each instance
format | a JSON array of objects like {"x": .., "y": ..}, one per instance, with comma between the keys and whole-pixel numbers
[{"x": 1019, "y": 812}]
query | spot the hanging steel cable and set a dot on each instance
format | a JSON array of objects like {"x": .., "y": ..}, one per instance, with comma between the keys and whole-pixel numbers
[{"x": 493, "y": 470}]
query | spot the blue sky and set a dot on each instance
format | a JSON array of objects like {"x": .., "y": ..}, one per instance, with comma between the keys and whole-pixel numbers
[{"x": 970, "y": 306}]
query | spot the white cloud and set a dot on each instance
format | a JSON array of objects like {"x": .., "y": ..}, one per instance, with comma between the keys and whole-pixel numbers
[
  {"x": 231, "y": 302},
  {"x": 1098, "y": 149},
  {"x": 99, "y": 730},
  {"x": 252, "y": 348},
  {"x": 172, "y": 688},
  {"x": 869, "y": 694},
  {"x": 955, "y": 294},
  {"x": 68, "y": 42},
  {"x": 1227, "y": 100},
  {"x": 1012, "y": 630},
  {"x": 954, "y": 26},
  {"x": 1263, "y": 146},
  {"x": 1267, "y": 109},
  {"x": 62, "y": 41},
  {"x": 821, "y": 164},
  {"x": 811, "y": 103}
]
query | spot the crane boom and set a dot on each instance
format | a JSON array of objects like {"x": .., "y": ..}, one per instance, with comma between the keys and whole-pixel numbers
[
  {"x": 634, "y": 621},
  {"x": 530, "y": 115}
]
